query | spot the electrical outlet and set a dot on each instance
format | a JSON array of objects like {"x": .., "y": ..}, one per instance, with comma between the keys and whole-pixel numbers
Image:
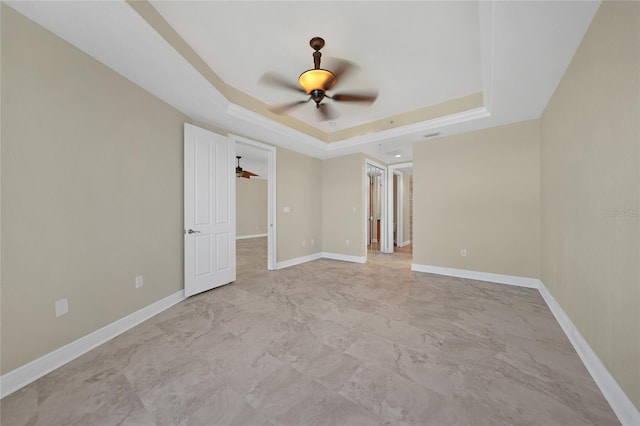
[
  {"x": 62, "y": 307},
  {"x": 312, "y": 242},
  {"x": 139, "y": 281},
  {"x": 347, "y": 242},
  {"x": 286, "y": 209},
  {"x": 463, "y": 252},
  {"x": 304, "y": 243}
]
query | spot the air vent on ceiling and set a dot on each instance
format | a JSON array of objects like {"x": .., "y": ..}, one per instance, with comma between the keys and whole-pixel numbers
[{"x": 430, "y": 135}]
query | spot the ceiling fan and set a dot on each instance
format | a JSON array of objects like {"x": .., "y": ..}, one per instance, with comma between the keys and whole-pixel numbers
[
  {"x": 243, "y": 173},
  {"x": 316, "y": 83}
]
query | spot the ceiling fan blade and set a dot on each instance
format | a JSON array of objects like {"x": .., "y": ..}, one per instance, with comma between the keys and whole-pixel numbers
[
  {"x": 327, "y": 112},
  {"x": 341, "y": 68},
  {"x": 281, "y": 109},
  {"x": 368, "y": 97},
  {"x": 247, "y": 174},
  {"x": 276, "y": 80}
]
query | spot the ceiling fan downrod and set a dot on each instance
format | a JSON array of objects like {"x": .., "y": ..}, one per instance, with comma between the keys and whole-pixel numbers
[{"x": 316, "y": 44}]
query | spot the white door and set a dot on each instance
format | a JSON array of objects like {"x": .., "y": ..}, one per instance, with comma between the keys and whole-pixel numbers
[{"x": 209, "y": 210}]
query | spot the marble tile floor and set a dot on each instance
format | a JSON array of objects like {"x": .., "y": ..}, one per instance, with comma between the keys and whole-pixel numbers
[{"x": 328, "y": 343}]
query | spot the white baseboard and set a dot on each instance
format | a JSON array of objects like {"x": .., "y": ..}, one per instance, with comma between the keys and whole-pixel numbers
[
  {"x": 404, "y": 243},
  {"x": 298, "y": 260},
  {"x": 620, "y": 404},
  {"x": 246, "y": 237},
  {"x": 320, "y": 255},
  {"x": 480, "y": 276},
  {"x": 345, "y": 257},
  {"x": 22, "y": 376}
]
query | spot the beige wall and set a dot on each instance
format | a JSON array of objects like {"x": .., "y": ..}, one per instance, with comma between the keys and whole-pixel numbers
[
  {"x": 298, "y": 187},
  {"x": 251, "y": 206},
  {"x": 590, "y": 175},
  {"x": 342, "y": 204},
  {"x": 479, "y": 191},
  {"x": 91, "y": 193}
]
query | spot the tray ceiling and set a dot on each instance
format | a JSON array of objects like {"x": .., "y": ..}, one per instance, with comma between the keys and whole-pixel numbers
[{"x": 439, "y": 67}]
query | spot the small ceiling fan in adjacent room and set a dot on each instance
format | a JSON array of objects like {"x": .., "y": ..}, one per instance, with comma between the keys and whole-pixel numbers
[
  {"x": 243, "y": 173},
  {"x": 316, "y": 83}
]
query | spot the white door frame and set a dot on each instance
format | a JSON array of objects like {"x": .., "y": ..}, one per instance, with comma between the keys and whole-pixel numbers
[
  {"x": 393, "y": 169},
  {"x": 271, "y": 196},
  {"x": 383, "y": 207},
  {"x": 398, "y": 207}
]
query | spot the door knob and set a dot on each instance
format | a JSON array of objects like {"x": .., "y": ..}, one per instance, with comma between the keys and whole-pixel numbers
[{"x": 191, "y": 231}]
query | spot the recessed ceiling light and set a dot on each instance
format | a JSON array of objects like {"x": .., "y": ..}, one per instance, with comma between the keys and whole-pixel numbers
[{"x": 398, "y": 155}]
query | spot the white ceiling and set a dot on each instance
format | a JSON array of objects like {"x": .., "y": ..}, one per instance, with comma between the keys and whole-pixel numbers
[{"x": 415, "y": 53}]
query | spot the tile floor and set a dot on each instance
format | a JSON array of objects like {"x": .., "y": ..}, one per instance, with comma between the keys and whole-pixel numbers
[{"x": 328, "y": 343}]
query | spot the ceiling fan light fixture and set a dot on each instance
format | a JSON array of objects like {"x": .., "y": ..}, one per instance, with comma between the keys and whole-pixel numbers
[
  {"x": 317, "y": 79},
  {"x": 316, "y": 83},
  {"x": 243, "y": 173}
]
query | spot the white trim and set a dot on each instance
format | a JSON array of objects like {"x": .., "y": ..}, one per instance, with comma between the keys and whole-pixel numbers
[
  {"x": 383, "y": 205},
  {"x": 310, "y": 145},
  {"x": 298, "y": 260},
  {"x": 22, "y": 376},
  {"x": 344, "y": 257},
  {"x": 404, "y": 243},
  {"x": 321, "y": 255},
  {"x": 246, "y": 237},
  {"x": 480, "y": 276},
  {"x": 395, "y": 170},
  {"x": 292, "y": 139},
  {"x": 423, "y": 126},
  {"x": 398, "y": 166},
  {"x": 620, "y": 403},
  {"x": 399, "y": 207}
]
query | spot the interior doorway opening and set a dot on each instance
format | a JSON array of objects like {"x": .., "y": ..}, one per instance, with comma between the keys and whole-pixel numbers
[
  {"x": 255, "y": 205},
  {"x": 375, "y": 208},
  {"x": 400, "y": 206}
]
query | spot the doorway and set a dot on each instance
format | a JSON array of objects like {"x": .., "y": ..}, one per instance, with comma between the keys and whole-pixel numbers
[
  {"x": 375, "y": 182},
  {"x": 400, "y": 205},
  {"x": 256, "y": 208}
]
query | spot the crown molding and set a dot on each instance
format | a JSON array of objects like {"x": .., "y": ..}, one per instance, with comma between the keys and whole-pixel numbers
[
  {"x": 309, "y": 145},
  {"x": 447, "y": 120},
  {"x": 292, "y": 137}
]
